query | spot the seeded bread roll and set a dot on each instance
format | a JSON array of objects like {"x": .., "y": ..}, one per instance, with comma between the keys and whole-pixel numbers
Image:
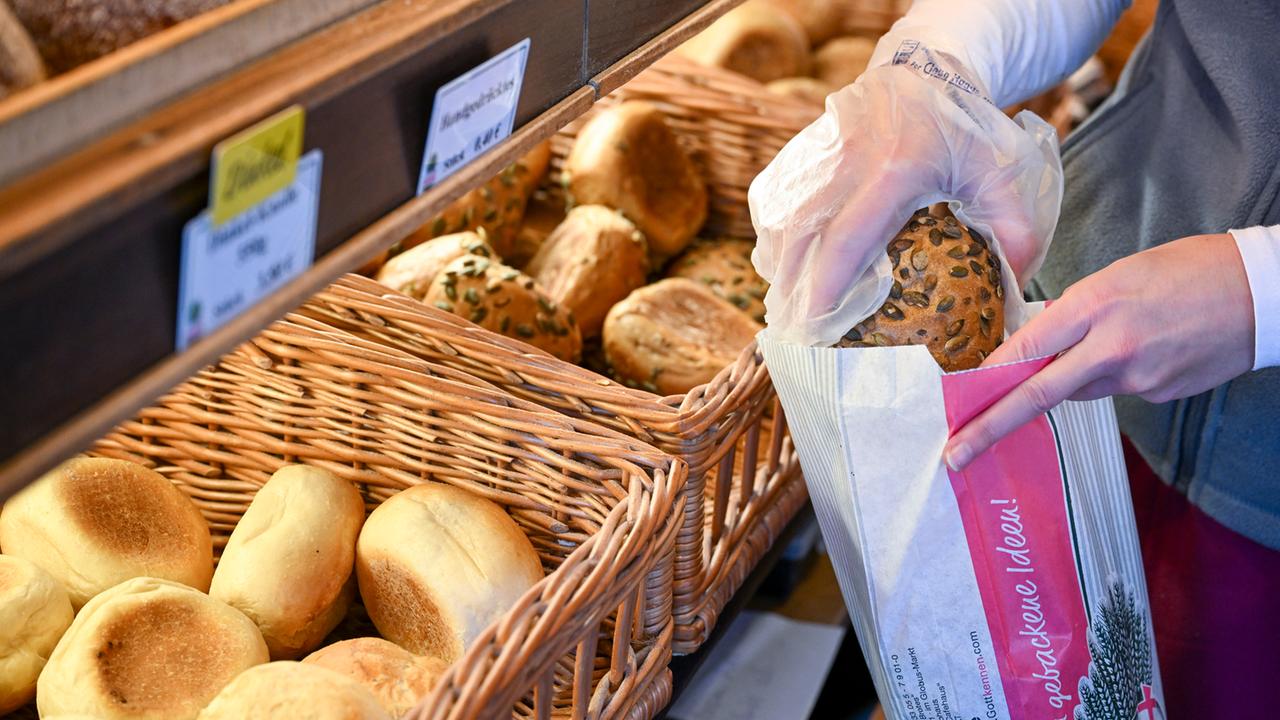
[
  {"x": 674, "y": 335},
  {"x": 756, "y": 39},
  {"x": 148, "y": 649},
  {"x": 803, "y": 88},
  {"x": 34, "y": 613},
  {"x": 287, "y": 690},
  {"x": 94, "y": 522},
  {"x": 821, "y": 19},
  {"x": 595, "y": 258},
  {"x": 396, "y": 677},
  {"x": 288, "y": 563},
  {"x": 438, "y": 564},
  {"x": 412, "y": 271},
  {"x": 841, "y": 61},
  {"x": 628, "y": 159},
  {"x": 73, "y": 32},
  {"x": 724, "y": 266},
  {"x": 506, "y": 301},
  {"x": 495, "y": 209},
  {"x": 20, "y": 63},
  {"x": 946, "y": 294}
]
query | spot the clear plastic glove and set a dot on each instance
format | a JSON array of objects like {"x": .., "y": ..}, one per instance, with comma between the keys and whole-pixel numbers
[
  {"x": 1166, "y": 323},
  {"x": 902, "y": 137}
]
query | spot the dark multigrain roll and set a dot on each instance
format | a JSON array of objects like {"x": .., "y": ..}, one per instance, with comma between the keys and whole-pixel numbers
[{"x": 946, "y": 294}]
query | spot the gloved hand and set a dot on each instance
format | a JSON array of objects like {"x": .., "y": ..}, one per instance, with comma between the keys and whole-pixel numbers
[
  {"x": 1165, "y": 323},
  {"x": 902, "y": 137}
]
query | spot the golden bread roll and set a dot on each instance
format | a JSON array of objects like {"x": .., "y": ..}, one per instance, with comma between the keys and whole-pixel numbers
[
  {"x": 841, "y": 61},
  {"x": 506, "y": 301},
  {"x": 288, "y": 563},
  {"x": 595, "y": 258},
  {"x": 396, "y": 677},
  {"x": 148, "y": 649},
  {"x": 495, "y": 209},
  {"x": 628, "y": 159},
  {"x": 34, "y": 613},
  {"x": 438, "y": 564},
  {"x": 946, "y": 295},
  {"x": 70, "y": 716},
  {"x": 674, "y": 335},
  {"x": 802, "y": 88},
  {"x": 73, "y": 32},
  {"x": 288, "y": 690},
  {"x": 756, "y": 39},
  {"x": 821, "y": 19},
  {"x": 724, "y": 266},
  {"x": 412, "y": 271},
  {"x": 20, "y": 63},
  {"x": 94, "y": 522},
  {"x": 545, "y": 212}
]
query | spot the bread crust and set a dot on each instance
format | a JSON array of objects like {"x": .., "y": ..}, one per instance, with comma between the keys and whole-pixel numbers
[
  {"x": 756, "y": 39},
  {"x": 412, "y": 271},
  {"x": 808, "y": 89},
  {"x": 674, "y": 335},
  {"x": 724, "y": 266},
  {"x": 396, "y": 677},
  {"x": 34, "y": 613},
  {"x": 839, "y": 62},
  {"x": 821, "y": 19},
  {"x": 20, "y": 63},
  {"x": 592, "y": 260},
  {"x": 286, "y": 690}
]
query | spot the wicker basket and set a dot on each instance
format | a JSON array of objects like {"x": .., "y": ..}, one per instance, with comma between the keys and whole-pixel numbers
[{"x": 592, "y": 639}]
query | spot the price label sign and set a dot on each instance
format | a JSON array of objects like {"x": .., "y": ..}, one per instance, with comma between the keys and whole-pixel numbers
[
  {"x": 254, "y": 164},
  {"x": 472, "y": 114},
  {"x": 227, "y": 267}
]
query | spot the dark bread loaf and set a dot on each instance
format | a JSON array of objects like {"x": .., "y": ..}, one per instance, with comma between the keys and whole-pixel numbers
[
  {"x": 69, "y": 33},
  {"x": 946, "y": 294}
]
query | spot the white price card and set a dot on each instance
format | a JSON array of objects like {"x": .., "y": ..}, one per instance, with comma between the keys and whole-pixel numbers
[
  {"x": 228, "y": 268},
  {"x": 472, "y": 113}
]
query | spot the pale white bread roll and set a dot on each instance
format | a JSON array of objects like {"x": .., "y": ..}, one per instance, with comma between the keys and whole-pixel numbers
[
  {"x": 93, "y": 523},
  {"x": 756, "y": 39},
  {"x": 396, "y": 677},
  {"x": 843, "y": 60},
  {"x": 34, "y": 613},
  {"x": 148, "y": 649},
  {"x": 287, "y": 690},
  {"x": 438, "y": 564},
  {"x": 288, "y": 563},
  {"x": 628, "y": 159}
]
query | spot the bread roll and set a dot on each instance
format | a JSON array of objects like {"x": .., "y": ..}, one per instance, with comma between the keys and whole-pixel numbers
[
  {"x": 756, "y": 39},
  {"x": 396, "y": 677},
  {"x": 412, "y": 271},
  {"x": 20, "y": 63},
  {"x": 438, "y": 564},
  {"x": 545, "y": 212},
  {"x": 802, "y": 88},
  {"x": 724, "y": 266},
  {"x": 946, "y": 295},
  {"x": 504, "y": 300},
  {"x": 289, "y": 691},
  {"x": 592, "y": 260},
  {"x": 73, "y": 32},
  {"x": 674, "y": 335},
  {"x": 148, "y": 649},
  {"x": 34, "y": 613},
  {"x": 94, "y": 522},
  {"x": 71, "y": 716},
  {"x": 628, "y": 159},
  {"x": 821, "y": 19},
  {"x": 494, "y": 209},
  {"x": 288, "y": 563},
  {"x": 841, "y": 61}
]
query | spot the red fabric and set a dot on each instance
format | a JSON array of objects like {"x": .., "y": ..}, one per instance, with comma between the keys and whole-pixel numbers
[{"x": 1215, "y": 604}]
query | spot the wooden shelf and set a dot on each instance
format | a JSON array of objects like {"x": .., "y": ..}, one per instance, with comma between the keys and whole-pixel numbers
[{"x": 89, "y": 244}]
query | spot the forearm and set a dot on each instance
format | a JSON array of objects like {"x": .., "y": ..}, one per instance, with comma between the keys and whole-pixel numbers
[{"x": 1017, "y": 48}]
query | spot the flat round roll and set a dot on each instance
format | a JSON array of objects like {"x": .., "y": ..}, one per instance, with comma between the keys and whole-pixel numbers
[
  {"x": 396, "y": 677},
  {"x": 438, "y": 564},
  {"x": 756, "y": 39},
  {"x": 841, "y": 61},
  {"x": 724, "y": 266},
  {"x": 288, "y": 563},
  {"x": 288, "y": 690},
  {"x": 148, "y": 649},
  {"x": 93, "y": 523},
  {"x": 412, "y": 271},
  {"x": 34, "y": 613},
  {"x": 674, "y": 335},
  {"x": 628, "y": 159}
]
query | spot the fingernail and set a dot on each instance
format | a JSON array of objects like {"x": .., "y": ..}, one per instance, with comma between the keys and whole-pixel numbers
[{"x": 958, "y": 456}]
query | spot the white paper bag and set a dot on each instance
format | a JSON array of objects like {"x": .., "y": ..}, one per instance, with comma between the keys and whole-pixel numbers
[{"x": 1011, "y": 590}]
